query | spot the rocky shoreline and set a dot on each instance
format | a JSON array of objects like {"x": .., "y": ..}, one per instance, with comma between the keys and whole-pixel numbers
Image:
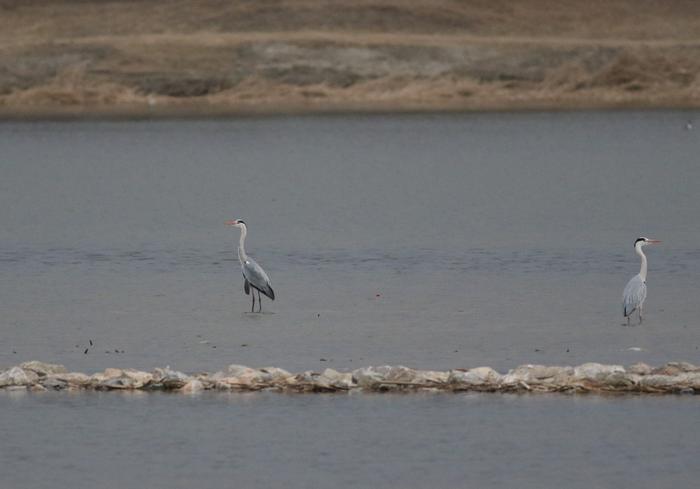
[{"x": 672, "y": 378}]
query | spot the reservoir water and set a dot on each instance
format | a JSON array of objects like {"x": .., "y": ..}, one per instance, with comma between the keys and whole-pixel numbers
[
  {"x": 115, "y": 440},
  {"x": 432, "y": 241}
]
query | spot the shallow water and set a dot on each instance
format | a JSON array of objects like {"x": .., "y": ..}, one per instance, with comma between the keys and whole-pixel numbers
[
  {"x": 115, "y": 440},
  {"x": 430, "y": 241}
]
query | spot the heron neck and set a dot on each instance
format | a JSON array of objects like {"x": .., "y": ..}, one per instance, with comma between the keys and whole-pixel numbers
[
  {"x": 242, "y": 257},
  {"x": 643, "y": 269}
]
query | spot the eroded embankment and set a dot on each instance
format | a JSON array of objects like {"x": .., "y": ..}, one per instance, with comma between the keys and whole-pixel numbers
[{"x": 672, "y": 378}]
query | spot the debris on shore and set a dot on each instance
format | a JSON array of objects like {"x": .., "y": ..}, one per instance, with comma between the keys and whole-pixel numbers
[{"x": 672, "y": 378}]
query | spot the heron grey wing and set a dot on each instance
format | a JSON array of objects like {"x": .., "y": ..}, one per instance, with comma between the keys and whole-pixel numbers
[
  {"x": 246, "y": 286},
  {"x": 257, "y": 277},
  {"x": 634, "y": 295}
]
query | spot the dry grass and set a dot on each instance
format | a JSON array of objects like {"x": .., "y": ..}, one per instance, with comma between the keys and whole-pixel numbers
[{"x": 278, "y": 55}]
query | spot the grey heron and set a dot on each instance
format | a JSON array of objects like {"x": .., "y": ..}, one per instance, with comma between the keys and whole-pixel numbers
[
  {"x": 254, "y": 277},
  {"x": 636, "y": 289}
]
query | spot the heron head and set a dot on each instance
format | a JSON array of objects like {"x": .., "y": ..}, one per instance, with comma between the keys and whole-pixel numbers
[
  {"x": 235, "y": 222},
  {"x": 642, "y": 241}
]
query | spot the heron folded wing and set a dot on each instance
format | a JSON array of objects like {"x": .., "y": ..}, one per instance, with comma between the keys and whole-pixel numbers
[
  {"x": 634, "y": 294},
  {"x": 257, "y": 277}
]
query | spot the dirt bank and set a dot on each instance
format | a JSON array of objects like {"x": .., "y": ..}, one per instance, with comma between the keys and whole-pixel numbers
[{"x": 183, "y": 56}]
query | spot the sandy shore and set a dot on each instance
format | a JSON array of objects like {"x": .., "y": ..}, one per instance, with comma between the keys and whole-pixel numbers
[{"x": 181, "y": 57}]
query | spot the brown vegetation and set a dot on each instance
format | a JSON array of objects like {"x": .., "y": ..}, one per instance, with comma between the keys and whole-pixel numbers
[{"x": 277, "y": 55}]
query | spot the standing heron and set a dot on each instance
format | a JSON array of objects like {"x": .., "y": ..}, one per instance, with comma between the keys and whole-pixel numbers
[
  {"x": 636, "y": 289},
  {"x": 254, "y": 277}
]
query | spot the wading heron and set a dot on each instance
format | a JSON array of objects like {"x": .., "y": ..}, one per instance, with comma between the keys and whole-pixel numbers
[
  {"x": 254, "y": 277},
  {"x": 636, "y": 289}
]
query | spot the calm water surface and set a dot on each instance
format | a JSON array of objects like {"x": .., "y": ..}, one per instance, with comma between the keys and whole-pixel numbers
[
  {"x": 429, "y": 241},
  {"x": 112, "y": 440}
]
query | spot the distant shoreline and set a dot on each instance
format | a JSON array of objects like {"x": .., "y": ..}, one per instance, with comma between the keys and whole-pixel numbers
[
  {"x": 204, "y": 111},
  {"x": 164, "y": 59}
]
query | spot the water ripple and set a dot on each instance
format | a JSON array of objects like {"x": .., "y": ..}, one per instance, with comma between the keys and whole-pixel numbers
[{"x": 405, "y": 260}]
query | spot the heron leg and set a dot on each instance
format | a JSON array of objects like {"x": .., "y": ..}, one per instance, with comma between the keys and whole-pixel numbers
[
  {"x": 252, "y": 307},
  {"x": 259, "y": 302},
  {"x": 641, "y": 317},
  {"x": 628, "y": 320}
]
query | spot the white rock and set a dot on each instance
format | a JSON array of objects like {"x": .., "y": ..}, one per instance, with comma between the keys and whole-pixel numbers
[
  {"x": 374, "y": 376},
  {"x": 42, "y": 369},
  {"x": 114, "y": 378},
  {"x": 109, "y": 373},
  {"x": 399, "y": 373},
  {"x": 308, "y": 376},
  {"x": 207, "y": 381},
  {"x": 657, "y": 381},
  {"x": 369, "y": 377},
  {"x": 116, "y": 383},
  {"x": 690, "y": 379},
  {"x": 431, "y": 377},
  {"x": 76, "y": 379},
  {"x": 192, "y": 386},
  {"x": 169, "y": 379},
  {"x": 480, "y": 376},
  {"x": 674, "y": 368},
  {"x": 596, "y": 371},
  {"x": 222, "y": 386},
  {"x": 17, "y": 376},
  {"x": 139, "y": 377},
  {"x": 244, "y": 375},
  {"x": 51, "y": 382},
  {"x": 538, "y": 374},
  {"x": 639, "y": 368},
  {"x": 233, "y": 383},
  {"x": 672, "y": 382},
  {"x": 335, "y": 379},
  {"x": 270, "y": 375},
  {"x": 672, "y": 377}
]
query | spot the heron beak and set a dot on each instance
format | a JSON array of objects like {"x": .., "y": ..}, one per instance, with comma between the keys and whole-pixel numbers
[
  {"x": 232, "y": 222},
  {"x": 654, "y": 241}
]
